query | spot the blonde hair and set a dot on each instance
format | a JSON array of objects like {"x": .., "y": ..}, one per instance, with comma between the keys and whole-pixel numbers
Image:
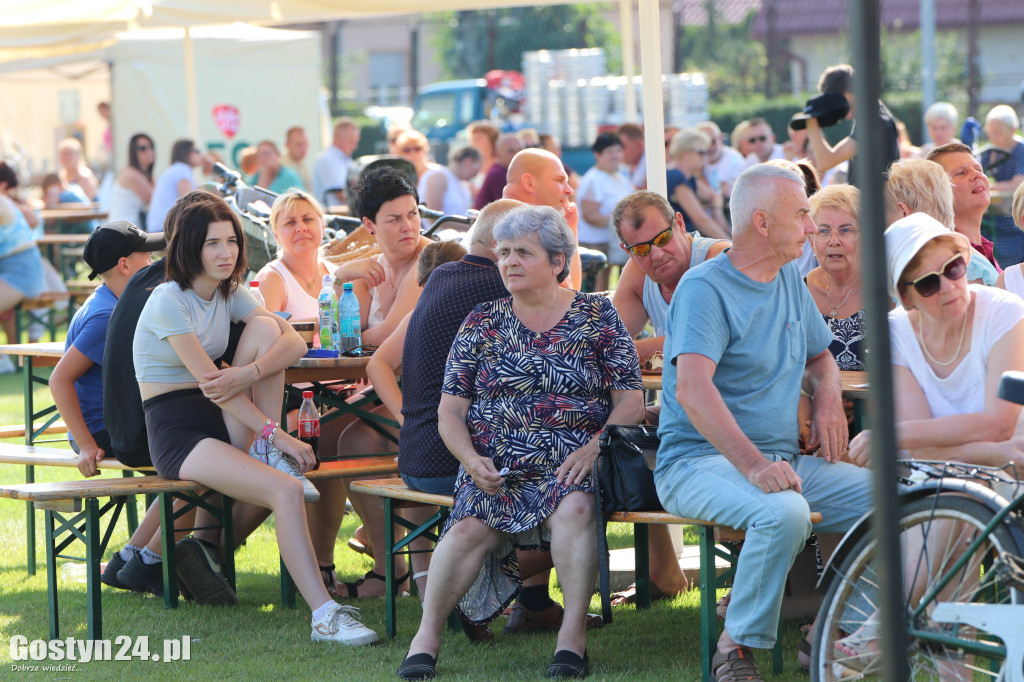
[
  {"x": 290, "y": 198},
  {"x": 411, "y": 136},
  {"x": 687, "y": 140},
  {"x": 923, "y": 186},
  {"x": 845, "y": 198}
]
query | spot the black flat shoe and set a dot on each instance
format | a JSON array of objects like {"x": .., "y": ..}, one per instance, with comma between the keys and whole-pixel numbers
[
  {"x": 567, "y": 664},
  {"x": 418, "y": 667}
]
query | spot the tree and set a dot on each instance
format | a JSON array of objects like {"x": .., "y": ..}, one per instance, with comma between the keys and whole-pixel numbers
[{"x": 473, "y": 42}]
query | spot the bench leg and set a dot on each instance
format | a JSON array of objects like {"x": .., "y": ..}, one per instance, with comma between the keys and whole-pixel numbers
[
  {"x": 51, "y": 574},
  {"x": 389, "y": 567},
  {"x": 287, "y": 587},
  {"x": 93, "y": 553},
  {"x": 168, "y": 566},
  {"x": 708, "y": 598},
  {"x": 30, "y": 522},
  {"x": 228, "y": 531},
  {"x": 131, "y": 508},
  {"x": 641, "y": 565}
]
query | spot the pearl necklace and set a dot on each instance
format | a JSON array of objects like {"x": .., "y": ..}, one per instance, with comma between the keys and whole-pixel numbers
[
  {"x": 828, "y": 294},
  {"x": 959, "y": 345}
]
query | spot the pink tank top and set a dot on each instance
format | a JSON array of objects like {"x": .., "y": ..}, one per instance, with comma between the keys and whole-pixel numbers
[{"x": 298, "y": 301}]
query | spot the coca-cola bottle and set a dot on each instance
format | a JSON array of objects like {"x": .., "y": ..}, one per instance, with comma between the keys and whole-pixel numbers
[{"x": 309, "y": 424}]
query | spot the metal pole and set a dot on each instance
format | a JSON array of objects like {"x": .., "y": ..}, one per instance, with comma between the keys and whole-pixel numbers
[
  {"x": 654, "y": 106},
  {"x": 927, "y": 58},
  {"x": 628, "y": 59},
  {"x": 864, "y": 28}
]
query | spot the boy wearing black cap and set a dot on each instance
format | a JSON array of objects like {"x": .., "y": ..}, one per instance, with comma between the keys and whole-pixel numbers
[{"x": 115, "y": 251}]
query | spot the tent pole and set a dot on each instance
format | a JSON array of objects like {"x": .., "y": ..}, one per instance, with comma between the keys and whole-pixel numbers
[
  {"x": 654, "y": 108},
  {"x": 190, "y": 88},
  {"x": 628, "y": 59}
]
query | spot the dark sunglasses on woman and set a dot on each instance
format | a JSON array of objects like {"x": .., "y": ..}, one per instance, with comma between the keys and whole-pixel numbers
[{"x": 953, "y": 269}]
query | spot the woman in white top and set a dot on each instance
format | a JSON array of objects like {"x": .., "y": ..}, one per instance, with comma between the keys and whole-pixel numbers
[
  {"x": 951, "y": 343},
  {"x": 134, "y": 185},
  {"x": 600, "y": 189},
  {"x": 173, "y": 183},
  {"x": 201, "y": 420},
  {"x": 1012, "y": 278},
  {"x": 446, "y": 188}
]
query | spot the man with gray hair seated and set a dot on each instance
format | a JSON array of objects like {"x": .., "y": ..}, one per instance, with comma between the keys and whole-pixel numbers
[{"x": 744, "y": 336}]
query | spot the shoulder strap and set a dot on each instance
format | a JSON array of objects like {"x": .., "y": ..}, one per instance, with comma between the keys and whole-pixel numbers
[{"x": 603, "y": 559}]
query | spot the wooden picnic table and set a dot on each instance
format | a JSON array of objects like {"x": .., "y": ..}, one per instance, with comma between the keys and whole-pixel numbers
[{"x": 72, "y": 213}]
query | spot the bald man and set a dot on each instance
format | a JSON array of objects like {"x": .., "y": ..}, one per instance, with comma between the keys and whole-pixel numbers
[
  {"x": 537, "y": 177},
  {"x": 507, "y": 146}
]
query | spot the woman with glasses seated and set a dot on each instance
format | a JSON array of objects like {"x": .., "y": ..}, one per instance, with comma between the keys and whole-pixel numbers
[
  {"x": 134, "y": 186},
  {"x": 951, "y": 342},
  {"x": 688, "y": 151}
]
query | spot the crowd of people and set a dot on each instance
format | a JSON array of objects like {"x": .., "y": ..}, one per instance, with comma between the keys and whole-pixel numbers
[{"x": 746, "y": 276}]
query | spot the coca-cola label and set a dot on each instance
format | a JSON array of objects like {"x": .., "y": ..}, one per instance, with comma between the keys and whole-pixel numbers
[{"x": 309, "y": 429}]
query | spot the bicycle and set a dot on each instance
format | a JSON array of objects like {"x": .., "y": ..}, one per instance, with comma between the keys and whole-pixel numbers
[{"x": 961, "y": 536}]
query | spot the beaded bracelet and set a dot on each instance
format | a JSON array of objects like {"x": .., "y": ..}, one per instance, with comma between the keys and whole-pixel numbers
[{"x": 268, "y": 430}]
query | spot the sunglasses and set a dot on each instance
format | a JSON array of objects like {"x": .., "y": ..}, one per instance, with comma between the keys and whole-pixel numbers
[
  {"x": 644, "y": 248},
  {"x": 410, "y": 150},
  {"x": 929, "y": 284},
  {"x": 759, "y": 138}
]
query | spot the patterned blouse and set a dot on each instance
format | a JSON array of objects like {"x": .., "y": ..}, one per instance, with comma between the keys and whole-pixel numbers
[{"x": 847, "y": 345}]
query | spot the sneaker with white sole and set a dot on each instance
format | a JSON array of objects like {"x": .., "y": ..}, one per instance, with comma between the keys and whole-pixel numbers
[
  {"x": 340, "y": 624},
  {"x": 271, "y": 456}
]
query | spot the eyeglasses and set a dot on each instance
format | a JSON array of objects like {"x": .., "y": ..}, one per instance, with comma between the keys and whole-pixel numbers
[
  {"x": 143, "y": 148},
  {"x": 845, "y": 234},
  {"x": 759, "y": 138},
  {"x": 410, "y": 150},
  {"x": 644, "y": 248},
  {"x": 929, "y": 284}
]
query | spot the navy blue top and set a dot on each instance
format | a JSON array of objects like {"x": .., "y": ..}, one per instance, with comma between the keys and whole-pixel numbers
[
  {"x": 676, "y": 178},
  {"x": 450, "y": 294}
]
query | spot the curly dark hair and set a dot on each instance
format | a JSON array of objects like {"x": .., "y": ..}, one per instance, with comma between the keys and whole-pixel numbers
[{"x": 378, "y": 187}]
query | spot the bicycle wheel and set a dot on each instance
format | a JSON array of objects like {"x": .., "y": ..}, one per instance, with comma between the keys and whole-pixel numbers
[{"x": 935, "y": 531}]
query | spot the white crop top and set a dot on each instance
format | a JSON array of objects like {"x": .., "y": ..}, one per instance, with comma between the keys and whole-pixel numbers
[{"x": 170, "y": 311}]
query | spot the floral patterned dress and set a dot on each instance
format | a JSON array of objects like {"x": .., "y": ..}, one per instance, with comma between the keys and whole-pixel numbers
[{"x": 536, "y": 397}]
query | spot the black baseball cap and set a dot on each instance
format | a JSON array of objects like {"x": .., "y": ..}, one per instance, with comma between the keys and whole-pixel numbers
[
  {"x": 829, "y": 108},
  {"x": 113, "y": 241}
]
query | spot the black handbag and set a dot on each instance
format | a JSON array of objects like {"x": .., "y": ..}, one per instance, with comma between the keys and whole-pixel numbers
[{"x": 623, "y": 481}]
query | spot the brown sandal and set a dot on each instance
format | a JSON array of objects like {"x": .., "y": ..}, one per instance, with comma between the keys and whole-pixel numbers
[
  {"x": 353, "y": 588},
  {"x": 735, "y": 666}
]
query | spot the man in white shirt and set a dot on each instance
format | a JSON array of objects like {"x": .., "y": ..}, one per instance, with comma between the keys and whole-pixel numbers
[
  {"x": 634, "y": 156},
  {"x": 296, "y": 145},
  {"x": 724, "y": 163},
  {"x": 761, "y": 140},
  {"x": 330, "y": 171}
]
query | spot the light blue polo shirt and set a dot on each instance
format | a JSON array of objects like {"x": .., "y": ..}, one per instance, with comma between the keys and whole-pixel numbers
[{"x": 760, "y": 335}]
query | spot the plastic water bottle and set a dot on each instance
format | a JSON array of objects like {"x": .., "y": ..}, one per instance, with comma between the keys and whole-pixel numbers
[
  {"x": 254, "y": 289},
  {"x": 309, "y": 424},
  {"x": 328, "y": 304},
  {"x": 349, "y": 323}
]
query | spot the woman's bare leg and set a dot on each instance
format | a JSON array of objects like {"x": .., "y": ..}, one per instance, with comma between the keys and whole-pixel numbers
[
  {"x": 574, "y": 551},
  {"x": 456, "y": 563}
]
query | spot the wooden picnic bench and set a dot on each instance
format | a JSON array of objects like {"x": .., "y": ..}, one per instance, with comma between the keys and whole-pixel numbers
[
  {"x": 394, "y": 495},
  {"x": 73, "y": 511}
]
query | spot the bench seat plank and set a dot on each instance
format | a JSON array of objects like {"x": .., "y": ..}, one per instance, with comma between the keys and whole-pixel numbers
[
  {"x": 37, "y": 455},
  {"x": 18, "y": 430},
  {"x": 96, "y": 487}
]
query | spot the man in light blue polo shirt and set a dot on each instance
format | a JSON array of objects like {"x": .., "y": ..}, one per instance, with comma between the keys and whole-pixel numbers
[{"x": 744, "y": 336}]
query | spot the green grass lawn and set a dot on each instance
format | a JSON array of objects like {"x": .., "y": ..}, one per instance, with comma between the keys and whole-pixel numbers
[{"x": 261, "y": 640}]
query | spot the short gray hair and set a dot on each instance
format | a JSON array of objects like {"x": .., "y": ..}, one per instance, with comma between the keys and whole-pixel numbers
[
  {"x": 553, "y": 233},
  {"x": 755, "y": 191},
  {"x": 1005, "y": 115},
  {"x": 942, "y": 110},
  {"x": 482, "y": 231}
]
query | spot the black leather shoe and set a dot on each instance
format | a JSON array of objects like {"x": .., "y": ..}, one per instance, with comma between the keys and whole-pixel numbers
[
  {"x": 418, "y": 667},
  {"x": 567, "y": 664}
]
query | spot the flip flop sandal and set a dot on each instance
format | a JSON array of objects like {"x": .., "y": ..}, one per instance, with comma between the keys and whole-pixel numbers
[
  {"x": 855, "y": 650},
  {"x": 628, "y": 596},
  {"x": 359, "y": 547},
  {"x": 353, "y": 588}
]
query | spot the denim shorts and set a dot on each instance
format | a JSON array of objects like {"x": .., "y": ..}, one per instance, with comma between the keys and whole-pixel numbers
[
  {"x": 436, "y": 485},
  {"x": 24, "y": 272}
]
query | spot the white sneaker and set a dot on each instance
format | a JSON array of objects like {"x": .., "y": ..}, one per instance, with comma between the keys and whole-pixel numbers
[
  {"x": 271, "y": 456},
  {"x": 340, "y": 625}
]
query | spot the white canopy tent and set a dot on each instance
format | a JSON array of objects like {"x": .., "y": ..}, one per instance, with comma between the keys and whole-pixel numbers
[{"x": 43, "y": 31}]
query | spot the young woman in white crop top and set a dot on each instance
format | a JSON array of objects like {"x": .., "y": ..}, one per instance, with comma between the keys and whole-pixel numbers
[{"x": 201, "y": 420}]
